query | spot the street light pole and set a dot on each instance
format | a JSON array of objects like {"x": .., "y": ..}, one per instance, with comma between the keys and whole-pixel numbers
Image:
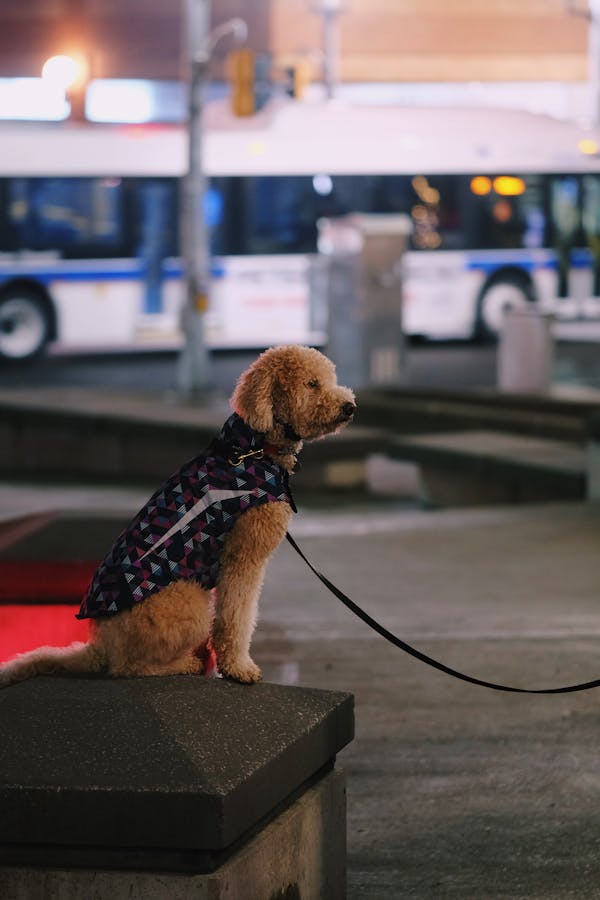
[
  {"x": 594, "y": 58},
  {"x": 592, "y": 14},
  {"x": 330, "y": 10},
  {"x": 193, "y": 373}
]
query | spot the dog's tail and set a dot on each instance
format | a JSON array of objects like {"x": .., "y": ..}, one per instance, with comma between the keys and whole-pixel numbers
[{"x": 77, "y": 659}]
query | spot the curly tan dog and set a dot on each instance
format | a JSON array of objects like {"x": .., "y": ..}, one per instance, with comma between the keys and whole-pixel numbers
[{"x": 189, "y": 567}]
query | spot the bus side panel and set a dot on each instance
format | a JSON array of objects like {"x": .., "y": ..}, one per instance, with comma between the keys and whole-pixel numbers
[
  {"x": 439, "y": 293},
  {"x": 260, "y": 300},
  {"x": 545, "y": 283},
  {"x": 92, "y": 313}
]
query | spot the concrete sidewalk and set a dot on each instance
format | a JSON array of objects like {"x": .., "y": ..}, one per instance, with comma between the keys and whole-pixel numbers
[{"x": 454, "y": 791}]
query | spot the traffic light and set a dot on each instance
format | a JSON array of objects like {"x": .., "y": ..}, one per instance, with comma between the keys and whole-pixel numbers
[
  {"x": 250, "y": 77},
  {"x": 241, "y": 64},
  {"x": 296, "y": 79}
]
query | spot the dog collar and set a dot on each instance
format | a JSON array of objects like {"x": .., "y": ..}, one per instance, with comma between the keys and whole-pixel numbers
[
  {"x": 289, "y": 432},
  {"x": 238, "y": 441},
  {"x": 267, "y": 449},
  {"x": 272, "y": 450}
]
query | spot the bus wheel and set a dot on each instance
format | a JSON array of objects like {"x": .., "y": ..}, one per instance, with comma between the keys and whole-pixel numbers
[
  {"x": 506, "y": 293},
  {"x": 24, "y": 325}
]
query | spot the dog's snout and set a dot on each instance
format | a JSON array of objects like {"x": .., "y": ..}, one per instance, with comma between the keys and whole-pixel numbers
[{"x": 348, "y": 410}]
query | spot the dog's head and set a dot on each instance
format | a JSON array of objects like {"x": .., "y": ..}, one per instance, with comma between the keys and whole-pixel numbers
[{"x": 291, "y": 393}]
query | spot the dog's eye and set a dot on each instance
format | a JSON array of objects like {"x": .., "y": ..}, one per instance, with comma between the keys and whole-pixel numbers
[{"x": 313, "y": 383}]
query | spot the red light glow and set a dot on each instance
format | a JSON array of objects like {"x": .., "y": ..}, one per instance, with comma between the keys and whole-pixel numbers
[{"x": 26, "y": 626}]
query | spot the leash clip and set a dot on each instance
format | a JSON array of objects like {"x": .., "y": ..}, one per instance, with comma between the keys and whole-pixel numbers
[{"x": 258, "y": 454}]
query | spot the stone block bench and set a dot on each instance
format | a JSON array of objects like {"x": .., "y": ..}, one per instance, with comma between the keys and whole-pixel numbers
[
  {"x": 468, "y": 468},
  {"x": 180, "y": 787}
]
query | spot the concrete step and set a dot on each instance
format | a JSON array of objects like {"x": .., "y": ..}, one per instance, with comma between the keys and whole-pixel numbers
[
  {"x": 407, "y": 411},
  {"x": 476, "y": 467},
  {"x": 76, "y": 434}
]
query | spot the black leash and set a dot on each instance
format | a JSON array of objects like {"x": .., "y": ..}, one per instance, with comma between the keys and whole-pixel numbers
[{"x": 412, "y": 651}]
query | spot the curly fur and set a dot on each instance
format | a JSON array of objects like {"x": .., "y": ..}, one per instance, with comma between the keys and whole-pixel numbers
[{"x": 291, "y": 395}]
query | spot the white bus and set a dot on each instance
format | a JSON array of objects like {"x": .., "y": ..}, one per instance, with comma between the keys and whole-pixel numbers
[{"x": 505, "y": 209}]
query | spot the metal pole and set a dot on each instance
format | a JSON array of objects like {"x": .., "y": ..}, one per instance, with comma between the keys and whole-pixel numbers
[
  {"x": 594, "y": 59},
  {"x": 329, "y": 10},
  {"x": 193, "y": 372},
  {"x": 330, "y": 51}
]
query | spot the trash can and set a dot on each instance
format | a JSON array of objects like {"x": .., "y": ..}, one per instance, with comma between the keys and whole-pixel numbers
[
  {"x": 364, "y": 296},
  {"x": 526, "y": 351}
]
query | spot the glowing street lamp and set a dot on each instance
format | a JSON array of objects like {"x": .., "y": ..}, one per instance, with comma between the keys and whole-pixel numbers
[
  {"x": 61, "y": 71},
  {"x": 68, "y": 73}
]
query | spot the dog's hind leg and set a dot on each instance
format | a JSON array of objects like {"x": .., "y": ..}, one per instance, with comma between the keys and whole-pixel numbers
[
  {"x": 159, "y": 636},
  {"x": 252, "y": 540}
]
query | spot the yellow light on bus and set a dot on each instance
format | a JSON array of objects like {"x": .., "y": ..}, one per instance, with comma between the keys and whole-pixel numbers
[
  {"x": 481, "y": 185},
  {"x": 256, "y": 148},
  {"x": 509, "y": 186},
  {"x": 587, "y": 146}
]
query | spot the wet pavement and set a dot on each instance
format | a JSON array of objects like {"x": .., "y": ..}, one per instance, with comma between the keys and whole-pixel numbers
[{"x": 453, "y": 790}]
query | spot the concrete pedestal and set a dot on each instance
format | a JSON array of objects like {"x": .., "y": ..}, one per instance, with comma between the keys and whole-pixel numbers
[
  {"x": 172, "y": 788},
  {"x": 301, "y": 853}
]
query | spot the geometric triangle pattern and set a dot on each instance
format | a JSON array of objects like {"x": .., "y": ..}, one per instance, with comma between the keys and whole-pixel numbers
[{"x": 180, "y": 532}]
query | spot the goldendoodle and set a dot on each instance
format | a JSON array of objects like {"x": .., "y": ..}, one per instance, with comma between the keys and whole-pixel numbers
[{"x": 188, "y": 569}]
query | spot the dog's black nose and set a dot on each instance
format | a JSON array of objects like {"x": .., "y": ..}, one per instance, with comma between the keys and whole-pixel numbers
[{"x": 348, "y": 410}]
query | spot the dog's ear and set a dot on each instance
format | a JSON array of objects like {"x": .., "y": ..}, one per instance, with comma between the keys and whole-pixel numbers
[{"x": 252, "y": 398}]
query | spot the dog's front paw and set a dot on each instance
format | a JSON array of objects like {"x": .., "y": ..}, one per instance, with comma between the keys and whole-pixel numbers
[{"x": 246, "y": 672}]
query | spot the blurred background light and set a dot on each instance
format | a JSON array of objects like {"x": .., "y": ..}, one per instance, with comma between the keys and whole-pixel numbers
[
  {"x": 481, "y": 185},
  {"x": 119, "y": 101},
  {"x": 588, "y": 146},
  {"x": 135, "y": 100},
  {"x": 32, "y": 99},
  {"x": 509, "y": 186},
  {"x": 256, "y": 148},
  {"x": 322, "y": 184},
  {"x": 64, "y": 71}
]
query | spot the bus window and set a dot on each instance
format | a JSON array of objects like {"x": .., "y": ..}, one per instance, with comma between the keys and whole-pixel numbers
[
  {"x": 282, "y": 215},
  {"x": 278, "y": 214},
  {"x": 265, "y": 215},
  {"x": 73, "y": 216},
  {"x": 436, "y": 211},
  {"x": 566, "y": 223},
  {"x": 156, "y": 227},
  {"x": 506, "y": 212}
]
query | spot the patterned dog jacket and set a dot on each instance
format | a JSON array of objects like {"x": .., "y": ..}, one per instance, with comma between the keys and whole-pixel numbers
[{"x": 181, "y": 531}]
